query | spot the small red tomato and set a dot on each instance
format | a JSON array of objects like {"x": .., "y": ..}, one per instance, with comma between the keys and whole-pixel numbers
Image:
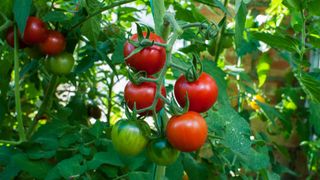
[
  {"x": 54, "y": 43},
  {"x": 10, "y": 38},
  {"x": 187, "y": 132},
  {"x": 151, "y": 59},
  {"x": 202, "y": 93},
  {"x": 142, "y": 95},
  {"x": 35, "y": 31}
]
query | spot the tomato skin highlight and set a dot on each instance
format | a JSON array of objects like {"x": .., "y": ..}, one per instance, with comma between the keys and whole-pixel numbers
[
  {"x": 35, "y": 31},
  {"x": 61, "y": 64},
  {"x": 10, "y": 38},
  {"x": 187, "y": 132},
  {"x": 130, "y": 137},
  {"x": 202, "y": 93},
  {"x": 54, "y": 43},
  {"x": 143, "y": 95},
  {"x": 161, "y": 152},
  {"x": 151, "y": 59}
]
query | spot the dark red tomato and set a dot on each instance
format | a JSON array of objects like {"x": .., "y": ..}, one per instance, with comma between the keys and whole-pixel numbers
[
  {"x": 94, "y": 111},
  {"x": 187, "y": 132},
  {"x": 202, "y": 93},
  {"x": 54, "y": 43},
  {"x": 150, "y": 59},
  {"x": 142, "y": 95},
  {"x": 35, "y": 31},
  {"x": 161, "y": 152},
  {"x": 130, "y": 137},
  {"x": 10, "y": 38}
]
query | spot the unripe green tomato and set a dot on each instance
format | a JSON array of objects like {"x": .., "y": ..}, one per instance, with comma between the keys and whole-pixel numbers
[
  {"x": 129, "y": 137},
  {"x": 161, "y": 152},
  {"x": 61, "y": 64}
]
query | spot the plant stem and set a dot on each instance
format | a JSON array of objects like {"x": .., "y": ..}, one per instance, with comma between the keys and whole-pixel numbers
[
  {"x": 21, "y": 130},
  {"x": 160, "y": 172},
  {"x": 110, "y": 86},
  {"x": 6, "y": 24},
  {"x": 100, "y": 11},
  {"x": 159, "y": 11},
  {"x": 180, "y": 68},
  {"x": 45, "y": 104}
]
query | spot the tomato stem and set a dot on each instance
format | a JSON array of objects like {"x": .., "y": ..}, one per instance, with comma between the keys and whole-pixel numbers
[
  {"x": 119, "y": 3},
  {"x": 46, "y": 104},
  {"x": 160, "y": 172},
  {"x": 6, "y": 24},
  {"x": 21, "y": 130}
]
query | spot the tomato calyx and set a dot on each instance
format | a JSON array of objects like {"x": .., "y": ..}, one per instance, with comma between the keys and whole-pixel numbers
[{"x": 175, "y": 109}]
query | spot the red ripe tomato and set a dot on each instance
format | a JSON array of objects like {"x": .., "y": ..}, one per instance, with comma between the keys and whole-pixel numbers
[
  {"x": 202, "y": 93},
  {"x": 142, "y": 95},
  {"x": 187, "y": 132},
  {"x": 35, "y": 31},
  {"x": 10, "y": 38},
  {"x": 54, "y": 43},
  {"x": 151, "y": 59}
]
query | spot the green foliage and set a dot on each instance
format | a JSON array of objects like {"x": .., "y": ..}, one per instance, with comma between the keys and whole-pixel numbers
[{"x": 63, "y": 142}]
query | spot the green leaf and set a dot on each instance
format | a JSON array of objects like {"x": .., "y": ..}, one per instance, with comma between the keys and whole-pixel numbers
[
  {"x": 175, "y": 170},
  {"x": 314, "y": 116},
  {"x": 91, "y": 29},
  {"x": 194, "y": 169},
  {"x": 6, "y": 8},
  {"x": 55, "y": 16},
  {"x": 117, "y": 56},
  {"x": 229, "y": 125},
  {"x": 69, "y": 139},
  {"x": 277, "y": 41},
  {"x": 138, "y": 175},
  {"x": 240, "y": 25},
  {"x": 71, "y": 167},
  {"x": 310, "y": 85},
  {"x": 256, "y": 160},
  {"x": 110, "y": 157},
  {"x": 263, "y": 68},
  {"x": 214, "y": 3},
  {"x": 38, "y": 169},
  {"x": 21, "y": 10},
  {"x": 211, "y": 68},
  {"x": 97, "y": 129}
]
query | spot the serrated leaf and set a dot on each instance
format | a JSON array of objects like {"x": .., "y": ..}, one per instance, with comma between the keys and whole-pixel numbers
[
  {"x": 91, "y": 29},
  {"x": 38, "y": 169},
  {"x": 277, "y": 41},
  {"x": 55, "y": 16},
  {"x": 314, "y": 116},
  {"x": 71, "y": 167},
  {"x": 233, "y": 129},
  {"x": 110, "y": 157},
  {"x": 117, "y": 56},
  {"x": 21, "y": 10},
  {"x": 310, "y": 85}
]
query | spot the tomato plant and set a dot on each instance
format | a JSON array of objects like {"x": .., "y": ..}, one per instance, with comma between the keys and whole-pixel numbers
[
  {"x": 62, "y": 119},
  {"x": 142, "y": 96},
  {"x": 187, "y": 132},
  {"x": 130, "y": 137},
  {"x": 150, "y": 59},
  {"x": 10, "y": 38},
  {"x": 54, "y": 43},
  {"x": 61, "y": 64},
  {"x": 161, "y": 152},
  {"x": 202, "y": 93},
  {"x": 35, "y": 31}
]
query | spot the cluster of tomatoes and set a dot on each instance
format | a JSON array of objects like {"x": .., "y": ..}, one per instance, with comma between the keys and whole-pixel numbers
[
  {"x": 50, "y": 42},
  {"x": 185, "y": 132}
]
